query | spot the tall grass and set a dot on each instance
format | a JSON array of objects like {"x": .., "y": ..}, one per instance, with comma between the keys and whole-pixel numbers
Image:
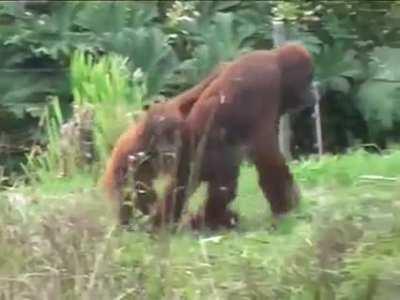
[
  {"x": 107, "y": 86},
  {"x": 112, "y": 89},
  {"x": 40, "y": 163}
]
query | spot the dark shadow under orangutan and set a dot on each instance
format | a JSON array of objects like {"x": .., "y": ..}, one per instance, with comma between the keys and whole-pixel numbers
[
  {"x": 241, "y": 107},
  {"x": 148, "y": 149}
]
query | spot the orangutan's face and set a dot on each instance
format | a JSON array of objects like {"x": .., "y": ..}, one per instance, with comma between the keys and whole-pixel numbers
[{"x": 166, "y": 138}]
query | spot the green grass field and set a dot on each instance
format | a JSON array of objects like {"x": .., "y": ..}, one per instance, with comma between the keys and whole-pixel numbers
[{"x": 58, "y": 241}]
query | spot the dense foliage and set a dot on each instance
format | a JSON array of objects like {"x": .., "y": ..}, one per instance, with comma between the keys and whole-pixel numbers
[
  {"x": 356, "y": 45},
  {"x": 62, "y": 61}
]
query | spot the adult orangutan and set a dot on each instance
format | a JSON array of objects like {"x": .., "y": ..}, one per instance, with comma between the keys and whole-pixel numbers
[{"x": 241, "y": 107}]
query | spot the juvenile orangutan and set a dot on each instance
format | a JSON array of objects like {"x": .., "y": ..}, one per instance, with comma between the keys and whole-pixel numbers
[{"x": 147, "y": 149}]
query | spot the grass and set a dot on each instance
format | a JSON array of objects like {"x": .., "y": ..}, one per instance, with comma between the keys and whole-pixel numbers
[{"x": 343, "y": 242}]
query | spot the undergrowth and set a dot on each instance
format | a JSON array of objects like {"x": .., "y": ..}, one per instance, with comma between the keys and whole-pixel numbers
[{"x": 343, "y": 242}]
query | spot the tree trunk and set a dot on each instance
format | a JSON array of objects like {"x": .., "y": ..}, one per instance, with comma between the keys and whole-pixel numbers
[
  {"x": 318, "y": 127},
  {"x": 285, "y": 131}
]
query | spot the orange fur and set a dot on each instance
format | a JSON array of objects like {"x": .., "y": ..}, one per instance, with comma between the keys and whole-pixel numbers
[
  {"x": 245, "y": 102},
  {"x": 144, "y": 137}
]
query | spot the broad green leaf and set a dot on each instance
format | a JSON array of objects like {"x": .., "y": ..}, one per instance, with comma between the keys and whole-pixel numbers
[
  {"x": 339, "y": 84},
  {"x": 386, "y": 63},
  {"x": 332, "y": 62},
  {"x": 106, "y": 17},
  {"x": 379, "y": 102},
  {"x": 148, "y": 50},
  {"x": 141, "y": 13},
  {"x": 309, "y": 40}
]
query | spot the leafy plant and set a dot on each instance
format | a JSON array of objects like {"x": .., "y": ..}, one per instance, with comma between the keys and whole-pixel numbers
[
  {"x": 39, "y": 163},
  {"x": 335, "y": 66},
  {"x": 114, "y": 92},
  {"x": 148, "y": 50},
  {"x": 378, "y": 96},
  {"x": 222, "y": 41}
]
